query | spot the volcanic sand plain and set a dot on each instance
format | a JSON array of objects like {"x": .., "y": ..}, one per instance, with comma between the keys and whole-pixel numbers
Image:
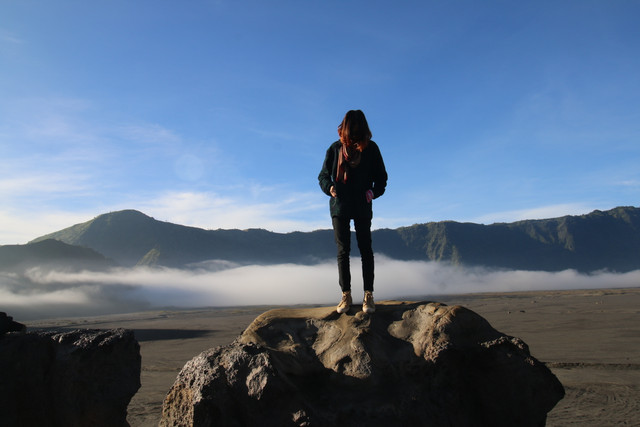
[{"x": 590, "y": 339}]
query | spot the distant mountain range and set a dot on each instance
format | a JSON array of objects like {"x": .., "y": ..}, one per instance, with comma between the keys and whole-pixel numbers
[{"x": 600, "y": 240}]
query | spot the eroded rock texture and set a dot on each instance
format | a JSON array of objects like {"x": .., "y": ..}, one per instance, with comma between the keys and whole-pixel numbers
[
  {"x": 78, "y": 378},
  {"x": 407, "y": 364}
]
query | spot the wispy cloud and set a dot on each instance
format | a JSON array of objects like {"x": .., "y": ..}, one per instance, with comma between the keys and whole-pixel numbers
[
  {"x": 247, "y": 207},
  {"x": 21, "y": 226},
  {"x": 31, "y": 203},
  {"x": 148, "y": 134},
  {"x": 630, "y": 183},
  {"x": 541, "y": 212},
  {"x": 10, "y": 37},
  {"x": 41, "y": 185}
]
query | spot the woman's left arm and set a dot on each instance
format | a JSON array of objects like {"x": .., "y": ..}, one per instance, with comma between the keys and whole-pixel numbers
[{"x": 379, "y": 175}]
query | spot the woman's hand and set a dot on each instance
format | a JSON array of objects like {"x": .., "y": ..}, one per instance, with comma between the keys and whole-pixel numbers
[
  {"x": 332, "y": 190},
  {"x": 369, "y": 196}
]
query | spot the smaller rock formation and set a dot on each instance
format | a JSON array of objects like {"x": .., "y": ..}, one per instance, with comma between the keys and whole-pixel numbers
[
  {"x": 7, "y": 324},
  {"x": 77, "y": 378},
  {"x": 408, "y": 364}
]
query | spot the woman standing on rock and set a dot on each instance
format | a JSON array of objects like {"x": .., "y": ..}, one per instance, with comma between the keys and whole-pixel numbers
[{"x": 353, "y": 174}]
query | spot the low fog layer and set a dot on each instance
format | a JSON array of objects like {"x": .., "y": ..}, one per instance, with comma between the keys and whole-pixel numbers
[{"x": 46, "y": 294}]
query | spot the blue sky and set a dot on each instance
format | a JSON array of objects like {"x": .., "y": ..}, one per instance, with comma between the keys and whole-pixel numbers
[{"x": 218, "y": 114}]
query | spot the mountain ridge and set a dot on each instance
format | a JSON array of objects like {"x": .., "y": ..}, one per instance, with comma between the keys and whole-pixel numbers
[{"x": 600, "y": 240}]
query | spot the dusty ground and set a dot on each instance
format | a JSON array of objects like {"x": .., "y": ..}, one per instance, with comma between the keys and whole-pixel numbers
[{"x": 589, "y": 339}]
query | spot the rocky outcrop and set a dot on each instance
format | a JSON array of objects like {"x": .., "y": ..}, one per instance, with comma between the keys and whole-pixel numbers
[
  {"x": 7, "y": 324},
  {"x": 77, "y": 378},
  {"x": 407, "y": 364}
]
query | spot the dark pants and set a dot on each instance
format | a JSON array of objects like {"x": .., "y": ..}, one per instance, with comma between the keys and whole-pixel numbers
[{"x": 342, "y": 233}]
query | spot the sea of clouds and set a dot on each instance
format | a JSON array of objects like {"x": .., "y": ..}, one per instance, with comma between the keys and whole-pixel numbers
[{"x": 41, "y": 294}]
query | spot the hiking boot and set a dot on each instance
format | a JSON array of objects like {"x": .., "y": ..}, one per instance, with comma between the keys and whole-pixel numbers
[
  {"x": 367, "y": 305},
  {"x": 345, "y": 303}
]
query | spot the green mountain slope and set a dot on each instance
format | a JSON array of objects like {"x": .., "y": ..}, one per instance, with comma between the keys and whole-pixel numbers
[
  {"x": 599, "y": 240},
  {"x": 51, "y": 253}
]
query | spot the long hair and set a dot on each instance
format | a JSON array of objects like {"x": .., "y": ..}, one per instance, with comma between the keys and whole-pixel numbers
[{"x": 354, "y": 129}]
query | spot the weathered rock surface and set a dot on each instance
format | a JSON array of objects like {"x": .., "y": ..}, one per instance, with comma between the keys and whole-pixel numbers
[
  {"x": 407, "y": 364},
  {"x": 78, "y": 378}
]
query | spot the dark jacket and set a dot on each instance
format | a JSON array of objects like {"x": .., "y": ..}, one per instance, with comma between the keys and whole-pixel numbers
[{"x": 351, "y": 201}]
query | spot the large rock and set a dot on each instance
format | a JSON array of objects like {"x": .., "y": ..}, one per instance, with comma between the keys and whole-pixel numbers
[
  {"x": 407, "y": 364},
  {"x": 78, "y": 378}
]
